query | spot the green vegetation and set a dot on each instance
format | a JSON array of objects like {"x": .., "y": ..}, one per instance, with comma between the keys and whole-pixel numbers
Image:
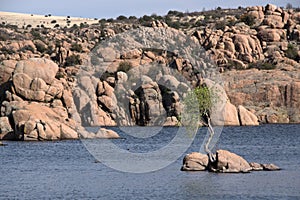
[
  {"x": 5, "y": 50},
  {"x": 73, "y": 60},
  {"x": 76, "y": 47},
  {"x": 121, "y": 18},
  {"x": 83, "y": 25},
  {"x": 204, "y": 98},
  {"x": 262, "y": 65},
  {"x": 36, "y": 34},
  {"x": 220, "y": 25},
  {"x": 27, "y": 48},
  {"x": 3, "y": 36},
  {"x": 292, "y": 52},
  {"x": 124, "y": 66},
  {"x": 248, "y": 19}
]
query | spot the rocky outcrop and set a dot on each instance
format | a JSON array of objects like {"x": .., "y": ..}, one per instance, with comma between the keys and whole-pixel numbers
[
  {"x": 37, "y": 105},
  {"x": 265, "y": 167},
  {"x": 271, "y": 100},
  {"x": 246, "y": 117},
  {"x": 102, "y": 133},
  {"x": 263, "y": 36},
  {"x": 37, "y": 122},
  {"x": 6, "y": 131},
  {"x": 268, "y": 43},
  {"x": 231, "y": 115},
  {"x": 195, "y": 162},
  {"x": 225, "y": 162}
]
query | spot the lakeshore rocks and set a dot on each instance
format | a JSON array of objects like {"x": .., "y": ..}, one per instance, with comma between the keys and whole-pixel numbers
[
  {"x": 226, "y": 162},
  {"x": 102, "y": 133},
  {"x": 37, "y": 122},
  {"x": 270, "y": 167},
  {"x": 6, "y": 131},
  {"x": 231, "y": 115},
  {"x": 246, "y": 117},
  {"x": 36, "y": 104},
  {"x": 195, "y": 161}
]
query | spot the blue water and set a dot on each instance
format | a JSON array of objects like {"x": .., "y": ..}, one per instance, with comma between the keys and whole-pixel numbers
[{"x": 66, "y": 169}]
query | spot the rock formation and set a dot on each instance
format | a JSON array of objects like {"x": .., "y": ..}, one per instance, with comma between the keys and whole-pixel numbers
[
  {"x": 226, "y": 162},
  {"x": 257, "y": 54}
]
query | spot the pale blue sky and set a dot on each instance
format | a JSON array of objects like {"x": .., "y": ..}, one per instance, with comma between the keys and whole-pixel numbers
[{"x": 114, "y": 8}]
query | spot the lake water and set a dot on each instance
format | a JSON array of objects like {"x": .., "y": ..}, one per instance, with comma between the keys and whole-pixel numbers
[{"x": 66, "y": 169}]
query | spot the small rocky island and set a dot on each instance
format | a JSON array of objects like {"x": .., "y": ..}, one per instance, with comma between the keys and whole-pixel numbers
[{"x": 225, "y": 162}]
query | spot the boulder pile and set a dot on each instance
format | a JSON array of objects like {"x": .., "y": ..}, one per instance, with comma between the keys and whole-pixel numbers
[{"x": 225, "y": 162}]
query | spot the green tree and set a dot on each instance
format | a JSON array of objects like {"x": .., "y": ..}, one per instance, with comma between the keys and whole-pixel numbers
[
  {"x": 121, "y": 18},
  {"x": 202, "y": 99}
]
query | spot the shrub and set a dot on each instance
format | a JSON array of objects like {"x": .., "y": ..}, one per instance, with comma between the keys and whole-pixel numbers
[
  {"x": 124, "y": 66},
  {"x": 83, "y": 25},
  {"x": 53, "y": 21},
  {"x": 175, "y": 24},
  {"x": 73, "y": 60},
  {"x": 262, "y": 65},
  {"x": 121, "y": 18},
  {"x": 76, "y": 47},
  {"x": 145, "y": 18},
  {"x": 3, "y": 36},
  {"x": 175, "y": 13},
  {"x": 27, "y": 48},
  {"x": 292, "y": 52},
  {"x": 132, "y": 18},
  {"x": 56, "y": 26},
  {"x": 220, "y": 25},
  {"x": 5, "y": 50},
  {"x": 248, "y": 19},
  {"x": 36, "y": 34},
  {"x": 75, "y": 26}
]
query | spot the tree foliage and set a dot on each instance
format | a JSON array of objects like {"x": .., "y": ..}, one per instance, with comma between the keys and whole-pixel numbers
[
  {"x": 204, "y": 98},
  {"x": 200, "y": 99}
]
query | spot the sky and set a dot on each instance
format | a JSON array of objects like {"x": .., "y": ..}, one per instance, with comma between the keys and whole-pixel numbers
[{"x": 114, "y": 8}]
